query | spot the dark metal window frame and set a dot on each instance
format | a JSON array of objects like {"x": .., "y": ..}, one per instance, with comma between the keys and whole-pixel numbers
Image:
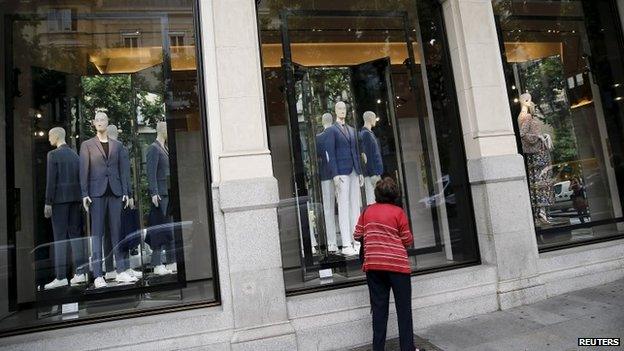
[
  {"x": 509, "y": 77},
  {"x": 460, "y": 149},
  {"x": 13, "y": 198}
]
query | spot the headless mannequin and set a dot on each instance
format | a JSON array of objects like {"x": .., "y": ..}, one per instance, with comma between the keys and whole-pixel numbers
[
  {"x": 347, "y": 185},
  {"x": 63, "y": 207},
  {"x": 370, "y": 121},
  {"x": 535, "y": 143},
  {"x": 327, "y": 186}
]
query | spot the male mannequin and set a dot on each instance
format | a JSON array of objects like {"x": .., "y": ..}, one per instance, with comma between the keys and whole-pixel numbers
[
  {"x": 344, "y": 165},
  {"x": 62, "y": 204},
  {"x": 157, "y": 179},
  {"x": 371, "y": 156},
  {"x": 104, "y": 190},
  {"x": 113, "y": 133},
  {"x": 327, "y": 183}
]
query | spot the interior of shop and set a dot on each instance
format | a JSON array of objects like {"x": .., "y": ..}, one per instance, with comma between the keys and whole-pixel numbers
[
  {"x": 66, "y": 68},
  {"x": 368, "y": 58},
  {"x": 567, "y": 57}
]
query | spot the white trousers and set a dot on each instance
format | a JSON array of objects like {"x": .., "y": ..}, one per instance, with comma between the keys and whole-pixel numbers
[
  {"x": 349, "y": 202},
  {"x": 370, "y": 190},
  {"x": 329, "y": 204}
]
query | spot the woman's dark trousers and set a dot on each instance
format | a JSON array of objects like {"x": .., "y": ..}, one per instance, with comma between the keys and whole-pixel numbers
[{"x": 379, "y": 285}]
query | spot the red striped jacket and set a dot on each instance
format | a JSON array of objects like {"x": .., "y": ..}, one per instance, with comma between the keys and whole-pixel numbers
[{"x": 386, "y": 234}]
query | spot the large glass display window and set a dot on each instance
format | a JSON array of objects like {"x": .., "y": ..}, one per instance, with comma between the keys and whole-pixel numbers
[
  {"x": 565, "y": 75},
  {"x": 356, "y": 91},
  {"x": 103, "y": 161}
]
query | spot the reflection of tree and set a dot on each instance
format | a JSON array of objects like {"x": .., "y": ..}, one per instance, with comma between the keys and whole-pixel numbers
[
  {"x": 113, "y": 93},
  {"x": 544, "y": 80}
]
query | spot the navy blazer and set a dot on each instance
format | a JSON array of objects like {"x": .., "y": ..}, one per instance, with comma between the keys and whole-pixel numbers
[
  {"x": 322, "y": 155},
  {"x": 157, "y": 169},
  {"x": 370, "y": 147},
  {"x": 62, "y": 176},
  {"x": 342, "y": 149},
  {"x": 97, "y": 171}
]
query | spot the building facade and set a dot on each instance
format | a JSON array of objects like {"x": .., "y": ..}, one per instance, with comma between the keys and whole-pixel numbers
[{"x": 250, "y": 134}]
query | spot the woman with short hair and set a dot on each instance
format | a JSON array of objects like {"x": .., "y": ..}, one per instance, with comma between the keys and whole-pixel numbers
[{"x": 384, "y": 229}]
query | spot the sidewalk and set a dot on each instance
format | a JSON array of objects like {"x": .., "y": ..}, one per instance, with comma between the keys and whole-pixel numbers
[{"x": 552, "y": 324}]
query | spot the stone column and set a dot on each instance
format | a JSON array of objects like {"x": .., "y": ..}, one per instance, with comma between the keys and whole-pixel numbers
[
  {"x": 497, "y": 174},
  {"x": 247, "y": 189}
]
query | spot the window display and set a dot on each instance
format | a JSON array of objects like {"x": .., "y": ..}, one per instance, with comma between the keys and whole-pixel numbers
[
  {"x": 354, "y": 95},
  {"x": 564, "y": 73},
  {"x": 106, "y": 178}
]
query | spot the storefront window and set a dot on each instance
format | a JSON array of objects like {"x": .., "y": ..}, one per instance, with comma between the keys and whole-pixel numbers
[
  {"x": 103, "y": 162},
  {"x": 355, "y": 91},
  {"x": 565, "y": 78}
]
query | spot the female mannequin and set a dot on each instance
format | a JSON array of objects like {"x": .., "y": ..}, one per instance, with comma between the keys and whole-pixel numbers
[{"x": 536, "y": 147}]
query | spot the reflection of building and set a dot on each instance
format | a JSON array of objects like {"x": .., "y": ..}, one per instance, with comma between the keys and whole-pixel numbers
[{"x": 444, "y": 89}]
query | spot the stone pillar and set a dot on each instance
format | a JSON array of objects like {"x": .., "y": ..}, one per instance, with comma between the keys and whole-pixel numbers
[
  {"x": 247, "y": 189},
  {"x": 497, "y": 174}
]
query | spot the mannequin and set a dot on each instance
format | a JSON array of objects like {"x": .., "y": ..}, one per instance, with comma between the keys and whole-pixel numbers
[
  {"x": 536, "y": 147},
  {"x": 104, "y": 192},
  {"x": 327, "y": 183},
  {"x": 62, "y": 205},
  {"x": 371, "y": 156},
  {"x": 157, "y": 178},
  {"x": 113, "y": 133},
  {"x": 344, "y": 165}
]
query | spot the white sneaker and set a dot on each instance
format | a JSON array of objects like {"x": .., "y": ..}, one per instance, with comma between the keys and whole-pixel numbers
[
  {"x": 78, "y": 279},
  {"x": 313, "y": 250},
  {"x": 332, "y": 248},
  {"x": 111, "y": 275},
  {"x": 161, "y": 270},
  {"x": 173, "y": 267},
  {"x": 349, "y": 251},
  {"x": 56, "y": 283},
  {"x": 137, "y": 274},
  {"x": 100, "y": 283},
  {"x": 124, "y": 277}
]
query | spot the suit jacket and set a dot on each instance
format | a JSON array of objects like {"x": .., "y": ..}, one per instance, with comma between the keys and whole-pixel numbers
[
  {"x": 342, "y": 150},
  {"x": 62, "y": 176},
  {"x": 370, "y": 147},
  {"x": 97, "y": 171},
  {"x": 322, "y": 156},
  {"x": 157, "y": 169}
]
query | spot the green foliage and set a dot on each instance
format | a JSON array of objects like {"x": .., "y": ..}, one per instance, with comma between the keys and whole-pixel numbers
[{"x": 544, "y": 80}]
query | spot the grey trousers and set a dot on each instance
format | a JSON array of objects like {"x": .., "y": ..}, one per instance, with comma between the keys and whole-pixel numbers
[
  {"x": 66, "y": 231},
  {"x": 167, "y": 245}
]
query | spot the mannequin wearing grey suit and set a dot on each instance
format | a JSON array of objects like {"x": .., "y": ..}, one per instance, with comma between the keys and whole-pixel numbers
[
  {"x": 157, "y": 179},
  {"x": 102, "y": 179},
  {"x": 63, "y": 195}
]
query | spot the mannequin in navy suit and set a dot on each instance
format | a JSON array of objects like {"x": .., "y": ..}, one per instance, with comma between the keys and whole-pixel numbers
[
  {"x": 62, "y": 205},
  {"x": 113, "y": 133},
  {"x": 344, "y": 168},
  {"x": 371, "y": 155},
  {"x": 157, "y": 180},
  {"x": 104, "y": 190},
  {"x": 327, "y": 184}
]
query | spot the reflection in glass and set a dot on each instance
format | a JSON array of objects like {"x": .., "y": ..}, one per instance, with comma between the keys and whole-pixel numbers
[
  {"x": 349, "y": 101},
  {"x": 105, "y": 162},
  {"x": 564, "y": 71}
]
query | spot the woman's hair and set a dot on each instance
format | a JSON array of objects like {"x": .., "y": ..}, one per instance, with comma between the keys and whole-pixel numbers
[{"x": 387, "y": 192}]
